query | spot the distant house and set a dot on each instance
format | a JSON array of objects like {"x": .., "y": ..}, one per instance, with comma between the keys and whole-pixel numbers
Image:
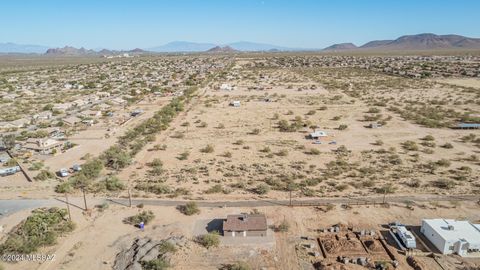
[
  {"x": 317, "y": 134},
  {"x": 235, "y": 103},
  {"x": 62, "y": 107},
  {"x": 245, "y": 225},
  {"x": 19, "y": 123},
  {"x": 80, "y": 102},
  {"x": 118, "y": 101},
  {"x": 57, "y": 134},
  {"x": 103, "y": 107},
  {"x": 90, "y": 113},
  {"x": 7, "y": 125},
  {"x": 178, "y": 93},
  {"x": 42, "y": 146},
  {"x": 10, "y": 96},
  {"x": 88, "y": 122},
  {"x": 43, "y": 115},
  {"x": 374, "y": 125},
  {"x": 71, "y": 121},
  {"x": 91, "y": 98},
  {"x": 28, "y": 93},
  {"x": 102, "y": 94},
  {"x": 226, "y": 87}
]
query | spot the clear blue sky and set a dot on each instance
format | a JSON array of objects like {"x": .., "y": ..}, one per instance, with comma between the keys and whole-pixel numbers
[{"x": 123, "y": 24}]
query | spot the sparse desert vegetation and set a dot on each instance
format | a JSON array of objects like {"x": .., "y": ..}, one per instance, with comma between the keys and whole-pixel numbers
[{"x": 222, "y": 129}]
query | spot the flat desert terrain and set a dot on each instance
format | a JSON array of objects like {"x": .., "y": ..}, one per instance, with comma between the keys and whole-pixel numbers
[{"x": 314, "y": 143}]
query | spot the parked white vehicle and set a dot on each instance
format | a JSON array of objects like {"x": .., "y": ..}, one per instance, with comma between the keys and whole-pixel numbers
[{"x": 63, "y": 173}]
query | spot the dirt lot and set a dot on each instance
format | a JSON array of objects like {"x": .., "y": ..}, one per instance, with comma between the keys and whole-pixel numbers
[
  {"x": 216, "y": 150},
  {"x": 100, "y": 236},
  {"x": 475, "y": 83}
]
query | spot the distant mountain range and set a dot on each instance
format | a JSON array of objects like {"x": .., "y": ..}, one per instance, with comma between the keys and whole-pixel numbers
[
  {"x": 413, "y": 42},
  {"x": 72, "y": 51},
  {"x": 410, "y": 42},
  {"x": 21, "y": 48},
  {"x": 185, "y": 46},
  {"x": 67, "y": 50}
]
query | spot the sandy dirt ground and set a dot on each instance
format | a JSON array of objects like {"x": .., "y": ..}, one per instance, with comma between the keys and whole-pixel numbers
[
  {"x": 238, "y": 159},
  {"x": 471, "y": 82},
  {"x": 101, "y": 235}
]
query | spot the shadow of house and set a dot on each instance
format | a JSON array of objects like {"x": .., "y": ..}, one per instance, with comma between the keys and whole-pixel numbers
[{"x": 215, "y": 225}]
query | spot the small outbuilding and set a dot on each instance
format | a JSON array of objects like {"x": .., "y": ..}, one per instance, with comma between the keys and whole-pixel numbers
[
  {"x": 317, "y": 134},
  {"x": 226, "y": 87},
  {"x": 374, "y": 125},
  {"x": 235, "y": 103},
  {"x": 245, "y": 225},
  {"x": 71, "y": 121},
  {"x": 452, "y": 236}
]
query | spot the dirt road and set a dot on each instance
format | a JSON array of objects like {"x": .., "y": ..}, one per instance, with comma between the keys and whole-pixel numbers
[{"x": 11, "y": 206}]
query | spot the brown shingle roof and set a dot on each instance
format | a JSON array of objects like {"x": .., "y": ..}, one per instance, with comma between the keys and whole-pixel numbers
[{"x": 245, "y": 222}]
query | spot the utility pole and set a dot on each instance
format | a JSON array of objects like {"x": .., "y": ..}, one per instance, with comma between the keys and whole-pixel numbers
[
  {"x": 68, "y": 206},
  {"x": 84, "y": 198}
]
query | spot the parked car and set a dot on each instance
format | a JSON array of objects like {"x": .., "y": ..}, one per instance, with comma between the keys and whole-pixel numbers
[
  {"x": 9, "y": 171},
  {"x": 63, "y": 173},
  {"x": 136, "y": 112},
  {"x": 76, "y": 168}
]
